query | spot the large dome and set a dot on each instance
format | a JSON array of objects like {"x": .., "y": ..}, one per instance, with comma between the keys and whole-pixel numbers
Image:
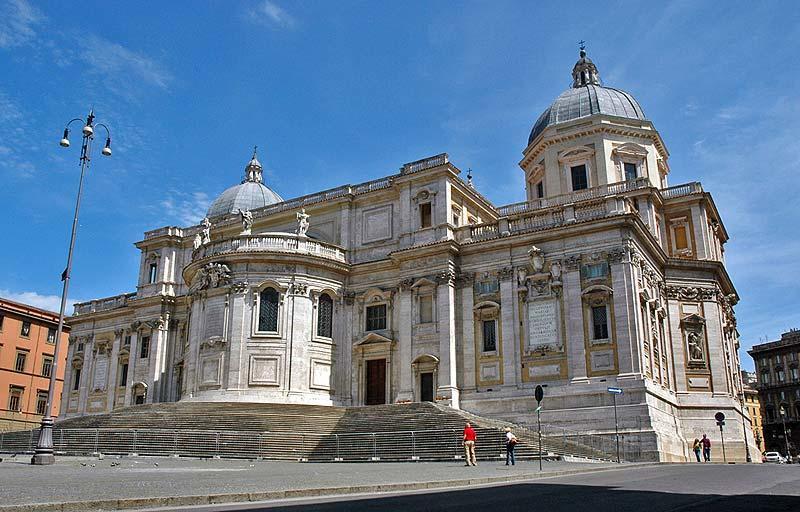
[
  {"x": 248, "y": 195},
  {"x": 587, "y": 97}
]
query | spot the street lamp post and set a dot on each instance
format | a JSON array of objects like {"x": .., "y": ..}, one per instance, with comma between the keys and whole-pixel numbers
[
  {"x": 44, "y": 447},
  {"x": 785, "y": 435},
  {"x": 744, "y": 426}
]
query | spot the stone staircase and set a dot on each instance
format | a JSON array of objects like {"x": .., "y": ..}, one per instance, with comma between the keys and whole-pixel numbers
[{"x": 415, "y": 431}]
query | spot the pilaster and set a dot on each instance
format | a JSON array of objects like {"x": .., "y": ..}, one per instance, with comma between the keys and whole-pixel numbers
[
  {"x": 406, "y": 391},
  {"x": 510, "y": 335},
  {"x": 448, "y": 363}
]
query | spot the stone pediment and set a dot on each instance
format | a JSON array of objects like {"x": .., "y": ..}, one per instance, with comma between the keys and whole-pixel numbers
[
  {"x": 373, "y": 338},
  {"x": 693, "y": 320}
]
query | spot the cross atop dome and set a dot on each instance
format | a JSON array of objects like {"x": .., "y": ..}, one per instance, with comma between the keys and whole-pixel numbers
[
  {"x": 584, "y": 72},
  {"x": 253, "y": 171}
]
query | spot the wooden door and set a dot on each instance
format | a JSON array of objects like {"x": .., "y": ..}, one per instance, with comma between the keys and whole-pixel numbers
[
  {"x": 426, "y": 387},
  {"x": 376, "y": 382}
]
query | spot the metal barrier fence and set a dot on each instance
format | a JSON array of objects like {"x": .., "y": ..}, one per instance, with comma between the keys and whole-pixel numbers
[{"x": 424, "y": 445}]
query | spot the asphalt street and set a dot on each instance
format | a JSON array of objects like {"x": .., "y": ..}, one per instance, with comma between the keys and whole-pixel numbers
[{"x": 700, "y": 487}]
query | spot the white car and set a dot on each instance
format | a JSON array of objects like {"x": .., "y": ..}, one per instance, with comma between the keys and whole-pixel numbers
[{"x": 774, "y": 457}]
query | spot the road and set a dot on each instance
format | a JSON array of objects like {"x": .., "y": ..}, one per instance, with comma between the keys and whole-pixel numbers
[{"x": 700, "y": 487}]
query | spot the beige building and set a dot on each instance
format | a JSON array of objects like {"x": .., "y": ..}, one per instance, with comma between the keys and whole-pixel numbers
[
  {"x": 27, "y": 354},
  {"x": 415, "y": 287}
]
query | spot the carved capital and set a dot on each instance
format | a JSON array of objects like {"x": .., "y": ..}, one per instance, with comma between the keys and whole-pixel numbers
[
  {"x": 505, "y": 273},
  {"x": 239, "y": 287},
  {"x": 697, "y": 293},
  {"x": 572, "y": 262}
]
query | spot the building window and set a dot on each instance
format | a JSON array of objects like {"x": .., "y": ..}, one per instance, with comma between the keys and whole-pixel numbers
[
  {"x": 795, "y": 374},
  {"x": 15, "y": 398},
  {"x": 595, "y": 270},
  {"x": 51, "y": 335},
  {"x": 490, "y": 335},
  {"x": 153, "y": 276},
  {"x": 681, "y": 241},
  {"x": 76, "y": 379},
  {"x": 425, "y": 309},
  {"x": 599, "y": 322},
  {"x": 376, "y": 317},
  {"x": 79, "y": 348},
  {"x": 781, "y": 375},
  {"x": 127, "y": 340},
  {"x": 1, "y": 322},
  {"x": 425, "y": 215},
  {"x": 325, "y": 316},
  {"x": 47, "y": 366},
  {"x": 144, "y": 348},
  {"x": 540, "y": 190},
  {"x": 25, "y": 330},
  {"x": 630, "y": 171},
  {"x": 41, "y": 403},
  {"x": 580, "y": 180},
  {"x": 486, "y": 287},
  {"x": 19, "y": 365},
  {"x": 765, "y": 377},
  {"x": 123, "y": 374},
  {"x": 456, "y": 216},
  {"x": 268, "y": 299}
]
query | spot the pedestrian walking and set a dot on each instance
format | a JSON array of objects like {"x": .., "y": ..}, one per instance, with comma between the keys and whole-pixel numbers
[
  {"x": 706, "y": 442},
  {"x": 469, "y": 445},
  {"x": 511, "y": 442},
  {"x": 696, "y": 446}
]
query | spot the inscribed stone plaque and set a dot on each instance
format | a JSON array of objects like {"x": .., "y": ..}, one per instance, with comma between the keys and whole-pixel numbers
[
  {"x": 542, "y": 371},
  {"x": 320, "y": 375},
  {"x": 210, "y": 371},
  {"x": 264, "y": 370},
  {"x": 100, "y": 373},
  {"x": 543, "y": 324},
  {"x": 699, "y": 382}
]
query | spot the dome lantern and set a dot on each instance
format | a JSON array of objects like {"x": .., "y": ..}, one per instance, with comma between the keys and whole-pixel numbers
[
  {"x": 584, "y": 72},
  {"x": 253, "y": 171}
]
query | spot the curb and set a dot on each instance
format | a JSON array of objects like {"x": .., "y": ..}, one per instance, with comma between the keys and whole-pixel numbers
[{"x": 245, "y": 497}]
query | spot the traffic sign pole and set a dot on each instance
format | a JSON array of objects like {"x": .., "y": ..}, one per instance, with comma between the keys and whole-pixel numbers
[
  {"x": 721, "y": 421},
  {"x": 614, "y": 392},
  {"x": 539, "y": 394}
]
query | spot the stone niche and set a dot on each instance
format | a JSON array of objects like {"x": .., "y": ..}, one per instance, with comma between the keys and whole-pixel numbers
[{"x": 540, "y": 288}]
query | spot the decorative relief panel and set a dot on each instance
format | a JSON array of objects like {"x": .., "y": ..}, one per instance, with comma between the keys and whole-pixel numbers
[
  {"x": 211, "y": 371},
  {"x": 320, "y": 374},
  {"x": 377, "y": 224}
]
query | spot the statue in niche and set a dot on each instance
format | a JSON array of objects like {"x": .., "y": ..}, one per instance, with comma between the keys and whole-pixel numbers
[
  {"x": 302, "y": 222},
  {"x": 247, "y": 221},
  {"x": 198, "y": 241},
  {"x": 695, "y": 343},
  {"x": 555, "y": 271},
  {"x": 206, "y": 231}
]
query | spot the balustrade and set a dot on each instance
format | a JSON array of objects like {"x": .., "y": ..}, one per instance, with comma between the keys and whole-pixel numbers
[{"x": 272, "y": 242}]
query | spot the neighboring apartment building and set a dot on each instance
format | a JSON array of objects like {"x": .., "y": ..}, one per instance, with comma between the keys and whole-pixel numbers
[
  {"x": 27, "y": 349},
  {"x": 753, "y": 405},
  {"x": 778, "y": 373}
]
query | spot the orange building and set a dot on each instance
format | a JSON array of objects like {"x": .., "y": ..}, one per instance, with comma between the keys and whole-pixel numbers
[{"x": 27, "y": 348}]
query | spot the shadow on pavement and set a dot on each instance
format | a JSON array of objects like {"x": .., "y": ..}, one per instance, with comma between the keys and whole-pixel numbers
[{"x": 541, "y": 497}]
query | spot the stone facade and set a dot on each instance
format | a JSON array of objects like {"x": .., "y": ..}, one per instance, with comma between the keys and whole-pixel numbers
[
  {"x": 777, "y": 366},
  {"x": 416, "y": 287}
]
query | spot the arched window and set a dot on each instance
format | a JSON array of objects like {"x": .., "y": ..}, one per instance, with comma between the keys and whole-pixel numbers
[
  {"x": 268, "y": 310},
  {"x": 325, "y": 316}
]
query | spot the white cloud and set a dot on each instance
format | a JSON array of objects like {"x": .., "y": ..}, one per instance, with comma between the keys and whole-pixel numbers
[
  {"x": 270, "y": 14},
  {"x": 17, "y": 21},
  {"x": 48, "y": 302},
  {"x": 188, "y": 208},
  {"x": 122, "y": 69}
]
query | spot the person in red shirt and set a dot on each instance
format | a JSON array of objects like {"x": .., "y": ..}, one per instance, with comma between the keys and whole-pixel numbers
[
  {"x": 469, "y": 445},
  {"x": 706, "y": 442}
]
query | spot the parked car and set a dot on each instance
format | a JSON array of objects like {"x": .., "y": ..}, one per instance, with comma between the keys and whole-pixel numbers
[{"x": 773, "y": 457}]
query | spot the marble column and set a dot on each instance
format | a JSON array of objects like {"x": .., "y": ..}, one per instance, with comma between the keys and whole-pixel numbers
[{"x": 113, "y": 367}]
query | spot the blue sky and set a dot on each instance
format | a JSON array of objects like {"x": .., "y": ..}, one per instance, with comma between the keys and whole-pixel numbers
[{"x": 342, "y": 92}]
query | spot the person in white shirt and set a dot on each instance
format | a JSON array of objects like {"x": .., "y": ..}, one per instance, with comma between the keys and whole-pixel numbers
[{"x": 511, "y": 442}]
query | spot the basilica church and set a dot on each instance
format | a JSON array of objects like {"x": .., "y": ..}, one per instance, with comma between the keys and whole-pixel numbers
[{"x": 416, "y": 287}]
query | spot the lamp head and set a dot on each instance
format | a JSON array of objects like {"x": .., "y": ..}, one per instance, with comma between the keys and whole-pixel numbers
[
  {"x": 107, "y": 150},
  {"x": 65, "y": 140},
  {"x": 88, "y": 130}
]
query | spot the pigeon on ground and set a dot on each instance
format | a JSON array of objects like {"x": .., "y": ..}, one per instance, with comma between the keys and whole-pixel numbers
[
  {"x": 83, "y": 464},
  {"x": 155, "y": 464}
]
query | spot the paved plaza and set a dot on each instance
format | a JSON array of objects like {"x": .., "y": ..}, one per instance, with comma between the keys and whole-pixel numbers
[{"x": 94, "y": 484}]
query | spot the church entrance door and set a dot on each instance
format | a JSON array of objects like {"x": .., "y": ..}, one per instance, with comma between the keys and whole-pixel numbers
[
  {"x": 376, "y": 382},
  {"x": 426, "y": 387}
]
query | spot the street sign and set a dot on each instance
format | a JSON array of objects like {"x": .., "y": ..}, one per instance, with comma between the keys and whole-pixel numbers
[
  {"x": 719, "y": 416},
  {"x": 538, "y": 408},
  {"x": 616, "y": 391},
  {"x": 539, "y": 393}
]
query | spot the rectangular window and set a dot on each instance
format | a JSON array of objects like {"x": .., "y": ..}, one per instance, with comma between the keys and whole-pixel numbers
[
  {"x": 630, "y": 171},
  {"x": 19, "y": 365},
  {"x": 1, "y": 322},
  {"x": 41, "y": 403},
  {"x": 123, "y": 374},
  {"x": 599, "y": 323},
  {"x": 79, "y": 348},
  {"x": 127, "y": 340},
  {"x": 144, "y": 349},
  {"x": 491, "y": 286},
  {"x": 795, "y": 373},
  {"x": 425, "y": 215},
  {"x": 489, "y": 335},
  {"x": 540, "y": 190},
  {"x": 51, "y": 335},
  {"x": 25, "y": 330},
  {"x": 580, "y": 180},
  {"x": 595, "y": 270},
  {"x": 425, "y": 309},
  {"x": 681, "y": 242},
  {"x": 76, "y": 379},
  {"x": 15, "y": 398},
  {"x": 781, "y": 376},
  {"x": 456, "y": 216},
  {"x": 47, "y": 366},
  {"x": 153, "y": 276},
  {"x": 376, "y": 317}
]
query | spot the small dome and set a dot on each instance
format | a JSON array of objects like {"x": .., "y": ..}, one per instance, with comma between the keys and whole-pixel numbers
[
  {"x": 249, "y": 195},
  {"x": 587, "y": 97}
]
